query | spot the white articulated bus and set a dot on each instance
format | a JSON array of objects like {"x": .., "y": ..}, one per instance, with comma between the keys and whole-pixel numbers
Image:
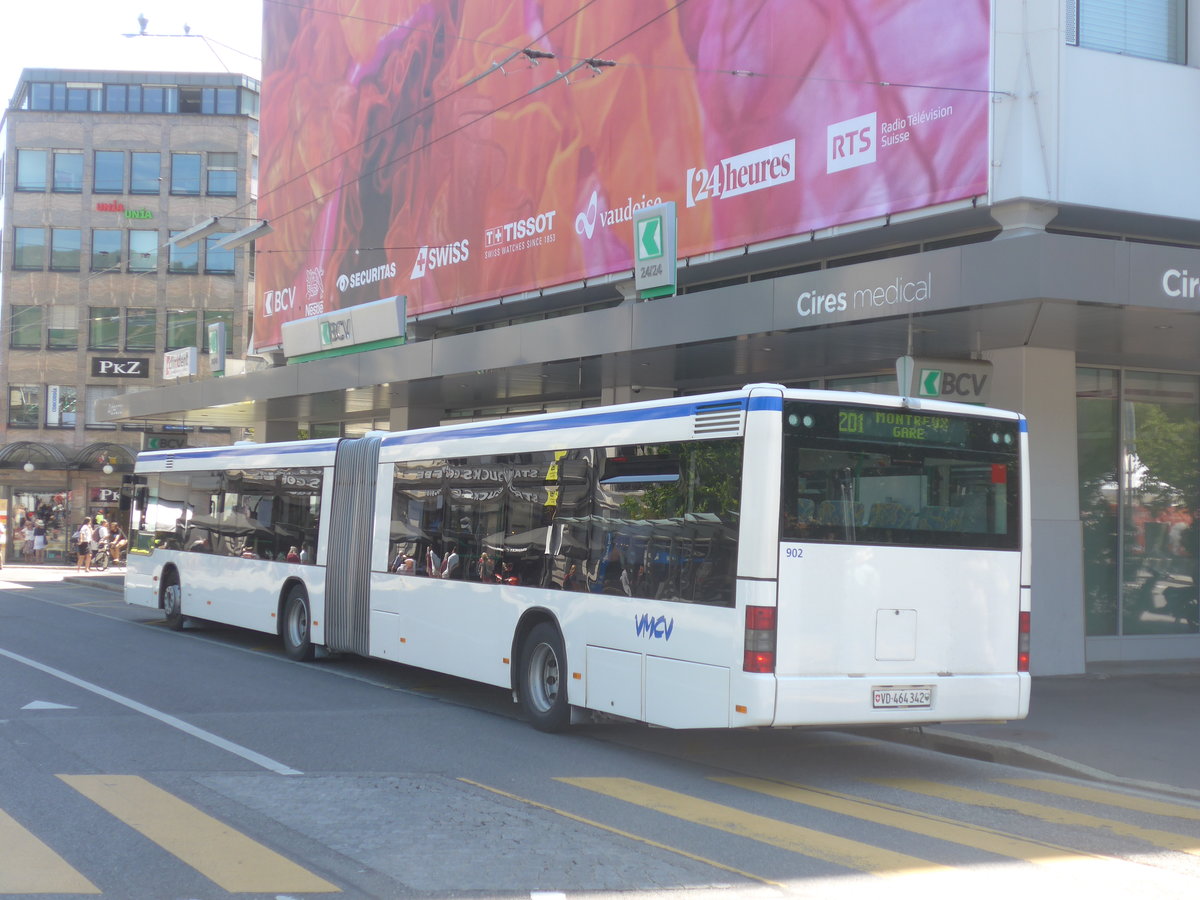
[{"x": 762, "y": 557}]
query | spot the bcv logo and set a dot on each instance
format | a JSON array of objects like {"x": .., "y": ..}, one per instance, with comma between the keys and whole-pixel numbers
[
  {"x": 850, "y": 143},
  {"x": 649, "y": 627}
]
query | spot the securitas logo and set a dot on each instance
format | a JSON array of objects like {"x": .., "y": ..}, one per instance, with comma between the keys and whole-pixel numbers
[
  {"x": 586, "y": 221},
  {"x": 733, "y": 176},
  {"x": 346, "y": 282},
  {"x": 279, "y": 301},
  {"x": 430, "y": 258},
  {"x": 850, "y": 143}
]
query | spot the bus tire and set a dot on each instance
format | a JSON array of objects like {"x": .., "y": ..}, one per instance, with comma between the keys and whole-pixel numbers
[
  {"x": 297, "y": 626},
  {"x": 543, "y": 690},
  {"x": 172, "y": 600}
]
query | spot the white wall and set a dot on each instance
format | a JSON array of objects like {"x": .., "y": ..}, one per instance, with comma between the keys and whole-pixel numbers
[
  {"x": 1090, "y": 128},
  {"x": 1040, "y": 384}
]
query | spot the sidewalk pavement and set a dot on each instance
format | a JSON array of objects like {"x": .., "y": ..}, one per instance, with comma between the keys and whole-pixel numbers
[{"x": 1134, "y": 724}]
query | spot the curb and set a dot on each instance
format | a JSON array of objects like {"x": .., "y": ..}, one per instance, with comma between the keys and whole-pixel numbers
[
  {"x": 1019, "y": 756},
  {"x": 95, "y": 582}
]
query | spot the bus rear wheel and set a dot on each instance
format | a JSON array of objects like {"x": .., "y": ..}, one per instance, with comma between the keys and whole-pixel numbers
[
  {"x": 172, "y": 601},
  {"x": 297, "y": 634},
  {"x": 543, "y": 666}
]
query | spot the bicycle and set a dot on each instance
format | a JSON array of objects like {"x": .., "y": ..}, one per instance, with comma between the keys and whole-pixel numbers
[{"x": 101, "y": 559}]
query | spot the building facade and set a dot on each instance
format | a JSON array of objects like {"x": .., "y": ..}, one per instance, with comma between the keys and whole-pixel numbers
[
  {"x": 100, "y": 168},
  {"x": 1070, "y": 260}
]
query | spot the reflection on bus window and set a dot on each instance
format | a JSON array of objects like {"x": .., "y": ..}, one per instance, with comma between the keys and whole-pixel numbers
[{"x": 653, "y": 521}]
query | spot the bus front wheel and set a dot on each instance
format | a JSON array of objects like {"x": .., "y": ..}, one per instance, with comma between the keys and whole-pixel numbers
[
  {"x": 172, "y": 601},
  {"x": 542, "y": 688},
  {"x": 297, "y": 635}
]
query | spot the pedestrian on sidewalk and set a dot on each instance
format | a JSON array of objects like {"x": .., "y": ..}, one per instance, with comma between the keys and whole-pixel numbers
[{"x": 83, "y": 545}]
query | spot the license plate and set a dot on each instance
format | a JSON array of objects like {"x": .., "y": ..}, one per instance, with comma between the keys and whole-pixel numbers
[{"x": 902, "y": 697}]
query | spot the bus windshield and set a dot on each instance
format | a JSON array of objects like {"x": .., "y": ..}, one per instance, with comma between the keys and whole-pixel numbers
[{"x": 858, "y": 474}]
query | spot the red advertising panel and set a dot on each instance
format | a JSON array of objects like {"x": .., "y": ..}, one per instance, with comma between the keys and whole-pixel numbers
[{"x": 457, "y": 152}]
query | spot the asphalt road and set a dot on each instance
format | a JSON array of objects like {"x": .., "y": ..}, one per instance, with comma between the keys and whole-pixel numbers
[{"x": 136, "y": 762}]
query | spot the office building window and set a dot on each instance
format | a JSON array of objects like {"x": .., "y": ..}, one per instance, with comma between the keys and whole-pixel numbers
[
  {"x": 185, "y": 173},
  {"x": 145, "y": 173},
  {"x": 114, "y": 98},
  {"x": 31, "y": 170},
  {"x": 97, "y": 396},
  {"x": 104, "y": 328},
  {"x": 140, "y": 327},
  {"x": 83, "y": 99},
  {"x": 222, "y": 174},
  {"x": 1150, "y": 29},
  {"x": 68, "y": 172},
  {"x": 24, "y": 405},
  {"x": 64, "y": 249},
  {"x": 106, "y": 249},
  {"x": 143, "y": 251},
  {"x": 152, "y": 99},
  {"x": 213, "y": 316},
  {"x": 60, "y": 405},
  {"x": 63, "y": 330},
  {"x": 181, "y": 328},
  {"x": 26, "y": 327},
  {"x": 29, "y": 248},
  {"x": 184, "y": 260},
  {"x": 218, "y": 261},
  {"x": 109, "y": 176},
  {"x": 39, "y": 95}
]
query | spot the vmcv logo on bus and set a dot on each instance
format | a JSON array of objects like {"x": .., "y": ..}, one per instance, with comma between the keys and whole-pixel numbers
[{"x": 647, "y": 626}]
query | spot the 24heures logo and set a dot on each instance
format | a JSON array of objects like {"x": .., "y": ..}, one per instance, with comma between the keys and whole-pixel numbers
[
  {"x": 754, "y": 170},
  {"x": 431, "y": 258}
]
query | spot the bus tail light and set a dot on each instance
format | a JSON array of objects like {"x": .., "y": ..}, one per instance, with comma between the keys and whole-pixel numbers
[
  {"x": 1023, "y": 642},
  {"x": 759, "y": 653}
]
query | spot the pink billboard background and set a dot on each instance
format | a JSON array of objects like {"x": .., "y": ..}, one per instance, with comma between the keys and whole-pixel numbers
[{"x": 399, "y": 158}]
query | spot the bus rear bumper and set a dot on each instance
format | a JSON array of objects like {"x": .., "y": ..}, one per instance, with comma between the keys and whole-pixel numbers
[{"x": 900, "y": 699}]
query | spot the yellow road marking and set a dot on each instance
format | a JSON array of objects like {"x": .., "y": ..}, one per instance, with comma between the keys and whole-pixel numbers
[
  {"x": 795, "y": 838},
  {"x": 618, "y": 831},
  {"x": 27, "y": 866},
  {"x": 218, "y": 852},
  {"x": 1108, "y": 798},
  {"x": 1166, "y": 839},
  {"x": 927, "y": 824}
]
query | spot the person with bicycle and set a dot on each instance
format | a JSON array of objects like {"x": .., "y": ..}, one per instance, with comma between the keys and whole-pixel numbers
[{"x": 117, "y": 543}]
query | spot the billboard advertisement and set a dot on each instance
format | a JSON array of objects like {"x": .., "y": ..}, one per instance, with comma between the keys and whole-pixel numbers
[{"x": 458, "y": 152}]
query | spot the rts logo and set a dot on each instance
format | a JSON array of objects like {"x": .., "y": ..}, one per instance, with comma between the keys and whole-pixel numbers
[{"x": 850, "y": 143}]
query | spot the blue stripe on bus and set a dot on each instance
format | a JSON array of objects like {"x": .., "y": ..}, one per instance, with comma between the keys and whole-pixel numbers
[
  {"x": 615, "y": 416},
  {"x": 237, "y": 451},
  {"x": 771, "y": 403},
  {"x": 1024, "y": 425}
]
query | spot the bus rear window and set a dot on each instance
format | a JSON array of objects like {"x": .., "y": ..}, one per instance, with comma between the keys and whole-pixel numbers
[{"x": 855, "y": 474}]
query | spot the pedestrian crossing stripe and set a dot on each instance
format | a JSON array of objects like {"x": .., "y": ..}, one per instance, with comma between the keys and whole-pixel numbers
[
  {"x": 831, "y": 848},
  {"x": 225, "y": 856},
  {"x": 1165, "y": 839},
  {"x": 965, "y": 834},
  {"x": 28, "y": 866},
  {"x": 1108, "y": 798}
]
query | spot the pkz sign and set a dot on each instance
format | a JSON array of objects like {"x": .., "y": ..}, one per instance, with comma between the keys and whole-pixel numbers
[{"x": 120, "y": 367}]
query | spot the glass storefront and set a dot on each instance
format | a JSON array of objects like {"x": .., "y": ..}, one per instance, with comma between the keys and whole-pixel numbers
[
  {"x": 1139, "y": 493},
  {"x": 38, "y": 526}
]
